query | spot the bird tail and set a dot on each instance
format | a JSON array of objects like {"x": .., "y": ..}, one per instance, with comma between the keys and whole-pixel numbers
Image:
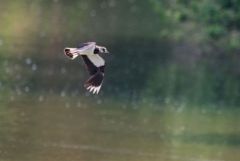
[
  {"x": 71, "y": 53},
  {"x": 94, "y": 83}
]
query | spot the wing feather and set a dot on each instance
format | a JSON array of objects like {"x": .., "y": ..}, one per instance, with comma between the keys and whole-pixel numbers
[
  {"x": 84, "y": 45},
  {"x": 95, "y": 80},
  {"x": 94, "y": 83},
  {"x": 92, "y": 69}
]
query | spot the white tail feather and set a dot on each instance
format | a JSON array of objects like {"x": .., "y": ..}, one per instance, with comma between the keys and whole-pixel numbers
[
  {"x": 74, "y": 55},
  {"x": 71, "y": 53}
]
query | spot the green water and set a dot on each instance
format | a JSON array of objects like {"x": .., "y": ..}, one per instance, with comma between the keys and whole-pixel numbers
[{"x": 72, "y": 129}]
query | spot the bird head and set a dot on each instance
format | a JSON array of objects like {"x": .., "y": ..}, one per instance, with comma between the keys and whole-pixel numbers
[
  {"x": 72, "y": 53},
  {"x": 101, "y": 50}
]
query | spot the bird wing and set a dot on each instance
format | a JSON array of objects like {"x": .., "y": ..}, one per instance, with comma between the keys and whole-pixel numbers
[
  {"x": 95, "y": 80},
  {"x": 94, "y": 83},
  {"x": 82, "y": 45},
  {"x": 95, "y": 65},
  {"x": 85, "y": 46},
  {"x": 93, "y": 62},
  {"x": 92, "y": 69}
]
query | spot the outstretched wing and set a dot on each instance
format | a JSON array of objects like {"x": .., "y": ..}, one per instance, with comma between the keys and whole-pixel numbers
[
  {"x": 95, "y": 80},
  {"x": 92, "y": 69},
  {"x": 94, "y": 83},
  {"x": 93, "y": 62},
  {"x": 95, "y": 65},
  {"x": 82, "y": 46}
]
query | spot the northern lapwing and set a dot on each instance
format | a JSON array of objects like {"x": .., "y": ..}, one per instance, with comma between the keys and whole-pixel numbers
[{"x": 95, "y": 64}]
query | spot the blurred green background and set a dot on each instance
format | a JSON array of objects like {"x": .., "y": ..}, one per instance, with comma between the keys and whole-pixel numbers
[
  {"x": 171, "y": 91},
  {"x": 166, "y": 50}
]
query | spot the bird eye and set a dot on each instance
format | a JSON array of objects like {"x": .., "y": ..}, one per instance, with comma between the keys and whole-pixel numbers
[{"x": 104, "y": 50}]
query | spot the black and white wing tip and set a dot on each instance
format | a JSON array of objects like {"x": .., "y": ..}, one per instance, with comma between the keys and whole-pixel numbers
[
  {"x": 93, "y": 89},
  {"x": 94, "y": 83}
]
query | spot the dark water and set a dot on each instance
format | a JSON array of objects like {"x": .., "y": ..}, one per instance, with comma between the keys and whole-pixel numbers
[{"x": 63, "y": 129}]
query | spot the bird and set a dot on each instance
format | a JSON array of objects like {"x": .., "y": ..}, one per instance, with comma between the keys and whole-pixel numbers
[{"x": 94, "y": 63}]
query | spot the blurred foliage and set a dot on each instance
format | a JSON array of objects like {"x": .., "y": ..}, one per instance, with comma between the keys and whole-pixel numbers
[
  {"x": 212, "y": 27},
  {"x": 176, "y": 50},
  {"x": 212, "y": 20}
]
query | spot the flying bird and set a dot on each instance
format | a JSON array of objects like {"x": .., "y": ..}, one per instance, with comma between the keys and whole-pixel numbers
[{"x": 95, "y": 64}]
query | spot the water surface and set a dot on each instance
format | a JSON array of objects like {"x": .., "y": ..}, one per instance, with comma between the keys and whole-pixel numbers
[{"x": 69, "y": 129}]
